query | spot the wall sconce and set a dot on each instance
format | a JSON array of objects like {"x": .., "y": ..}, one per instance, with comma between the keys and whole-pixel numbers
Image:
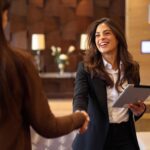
[
  {"x": 38, "y": 44},
  {"x": 83, "y": 42}
]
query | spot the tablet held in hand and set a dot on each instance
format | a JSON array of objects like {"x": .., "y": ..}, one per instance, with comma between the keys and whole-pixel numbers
[{"x": 132, "y": 94}]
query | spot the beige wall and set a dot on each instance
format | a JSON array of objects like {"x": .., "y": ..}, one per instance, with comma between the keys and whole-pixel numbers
[{"x": 137, "y": 29}]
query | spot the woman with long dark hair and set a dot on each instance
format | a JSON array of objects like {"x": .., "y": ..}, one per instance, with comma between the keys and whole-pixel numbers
[
  {"x": 107, "y": 69},
  {"x": 23, "y": 102}
]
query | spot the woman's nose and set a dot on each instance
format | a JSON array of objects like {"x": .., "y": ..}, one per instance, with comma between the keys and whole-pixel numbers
[{"x": 101, "y": 38}]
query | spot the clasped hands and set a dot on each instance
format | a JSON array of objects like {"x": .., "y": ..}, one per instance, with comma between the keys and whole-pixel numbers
[
  {"x": 137, "y": 108},
  {"x": 85, "y": 124}
]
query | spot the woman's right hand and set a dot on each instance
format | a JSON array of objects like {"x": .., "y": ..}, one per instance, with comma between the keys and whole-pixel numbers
[{"x": 85, "y": 124}]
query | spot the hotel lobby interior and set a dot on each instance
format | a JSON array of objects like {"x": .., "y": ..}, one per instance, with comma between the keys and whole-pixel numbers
[{"x": 59, "y": 26}]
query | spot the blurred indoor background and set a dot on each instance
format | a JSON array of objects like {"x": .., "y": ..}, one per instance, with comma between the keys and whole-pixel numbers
[{"x": 60, "y": 23}]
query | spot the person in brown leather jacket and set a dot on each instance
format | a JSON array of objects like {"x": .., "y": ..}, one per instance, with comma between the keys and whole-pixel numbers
[{"x": 23, "y": 102}]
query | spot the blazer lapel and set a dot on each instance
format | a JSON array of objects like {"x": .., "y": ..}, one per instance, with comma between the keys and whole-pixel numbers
[{"x": 100, "y": 92}]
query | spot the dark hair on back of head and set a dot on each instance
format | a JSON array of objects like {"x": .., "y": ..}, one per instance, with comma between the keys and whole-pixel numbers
[{"x": 5, "y": 4}]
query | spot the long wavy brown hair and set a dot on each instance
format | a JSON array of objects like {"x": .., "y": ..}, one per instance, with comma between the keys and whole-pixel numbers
[
  {"x": 16, "y": 75},
  {"x": 93, "y": 59}
]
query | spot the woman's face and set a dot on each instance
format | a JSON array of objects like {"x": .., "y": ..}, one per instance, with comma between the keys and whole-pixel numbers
[{"x": 105, "y": 40}]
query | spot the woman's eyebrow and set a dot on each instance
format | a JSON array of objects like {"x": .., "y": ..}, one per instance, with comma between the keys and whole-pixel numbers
[{"x": 97, "y": 32}]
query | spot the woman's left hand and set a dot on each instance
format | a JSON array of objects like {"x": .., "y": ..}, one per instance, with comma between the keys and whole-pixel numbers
[{"x": 137, "y": 108}]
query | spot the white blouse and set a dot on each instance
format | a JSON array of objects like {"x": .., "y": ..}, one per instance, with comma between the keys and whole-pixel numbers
[{"x": 116, "y": 115}]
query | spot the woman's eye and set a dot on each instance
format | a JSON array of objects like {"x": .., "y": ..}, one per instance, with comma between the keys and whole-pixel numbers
[
  {"x": 96, "y": 35},
  {"x": 107, "y": 33}
]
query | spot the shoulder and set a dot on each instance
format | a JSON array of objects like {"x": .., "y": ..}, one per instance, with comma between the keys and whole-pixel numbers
[
  {"x": 22, "y": 53},
  {"x": 81, "y": 67},
  {"x": 23, "y": 56},
  {"x": 81, "y": 64},
  {"x": 24, "y": 62},
  {"x": 81, "y": 71}
]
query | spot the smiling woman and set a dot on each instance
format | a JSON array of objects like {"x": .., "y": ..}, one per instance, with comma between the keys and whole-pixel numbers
[
  {"x": 107, "y": 69},
  {"x": 106, "y": 43}
]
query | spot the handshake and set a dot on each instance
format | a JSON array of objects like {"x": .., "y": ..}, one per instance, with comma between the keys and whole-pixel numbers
[{"x": 84, "y": 127}]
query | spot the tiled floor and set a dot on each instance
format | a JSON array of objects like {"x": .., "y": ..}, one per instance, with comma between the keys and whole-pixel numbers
[{"x": 64, "y": 107}]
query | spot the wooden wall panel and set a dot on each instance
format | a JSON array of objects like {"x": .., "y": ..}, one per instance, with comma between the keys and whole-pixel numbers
[
  {"x": 18, "y": 23},
  {"x": 19, "y": 39},
  {"x": 85, "y": 8},
  {"x": 51, "y": 24},
  {"x": 35, "y": 14},
  {"x": 38, "y": 3},
  {"x": 137, "y": 29},
  {"x": 62, "y": 22},
  {"x": 120, "y": 7},
  {"x": 18, "y": 7},
  {"x": 101, "y": 12},
  {"x": 52, "y": 8},
  {"x": 69, "y": 3},
  {"x": 82, "y": 24},
  {"x": 102, "y": 3},
  {"x": 69, "y": 31},
  {"x": 66, "y": 15},
  {"x": 37, "y": 27},
  {"x": 53, "y": 38}
]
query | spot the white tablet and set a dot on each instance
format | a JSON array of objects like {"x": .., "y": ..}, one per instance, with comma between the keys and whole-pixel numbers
[{"x": 132, "y": 94}]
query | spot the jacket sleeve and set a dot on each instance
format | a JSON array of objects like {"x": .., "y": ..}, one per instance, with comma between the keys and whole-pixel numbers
[
  {"x": 37, "y": 112},
  {"x": 138, "y": 117},
  {"x": 80, "y": 99},
  {"x": 138, "y": 83}
]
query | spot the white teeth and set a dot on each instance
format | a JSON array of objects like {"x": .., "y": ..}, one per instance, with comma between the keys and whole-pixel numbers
[{"x": 104, "y": 43}]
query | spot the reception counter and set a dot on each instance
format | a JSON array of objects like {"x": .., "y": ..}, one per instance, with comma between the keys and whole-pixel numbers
[{"x": 58, "y": 85}]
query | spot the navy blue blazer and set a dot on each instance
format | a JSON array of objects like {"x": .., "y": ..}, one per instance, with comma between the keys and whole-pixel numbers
[{"x": 90, "y": 95}]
